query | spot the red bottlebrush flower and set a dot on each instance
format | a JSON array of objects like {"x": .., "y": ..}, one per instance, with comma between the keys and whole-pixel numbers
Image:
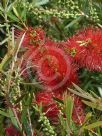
[
  {"x": 52, "y": 112},
  {"x": 12, "y": 131},
  {"x": 50, "y": 107},
  {"x": 33, "y": 37},
  {"x": 44, "y": 98},
  {"x": 78, "y": 111},
  {"x": 53, "y": 67},
  {"x": 86, "y": 47}
]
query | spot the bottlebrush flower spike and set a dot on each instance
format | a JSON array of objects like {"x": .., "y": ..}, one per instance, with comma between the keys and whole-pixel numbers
[
  {"x": 53, "y": 67},
  {"x": 50, "y": 107},
  {"x": 86, "y": 48},
  {"x": 44, "y": 98},
  {"x": 12, "y": 131},
  {"x": 78, "y": 115},
  {"x": 33, "y": 36}
]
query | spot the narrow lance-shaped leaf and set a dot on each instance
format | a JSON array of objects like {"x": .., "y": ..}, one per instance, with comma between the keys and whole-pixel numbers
[
  {"x": 88, "y": 116},
  {"x": 68, "y": 108},
  {"x": 93, "y": 125},
  {"x": 15, "y": 12},
  {"x": 4, "y": 113},
  {"x": 12, "y": 17},
  {"x": 13, "y": 118},
  {"x": 93, "y": 105},
  {"x": 40, "y": 2}
]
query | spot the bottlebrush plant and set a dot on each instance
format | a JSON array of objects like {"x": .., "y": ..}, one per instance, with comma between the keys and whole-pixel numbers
[{"x": 50, "y": 68}]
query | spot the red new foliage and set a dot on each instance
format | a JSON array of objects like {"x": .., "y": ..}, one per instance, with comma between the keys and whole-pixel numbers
[{"x": 86, "y": 48}]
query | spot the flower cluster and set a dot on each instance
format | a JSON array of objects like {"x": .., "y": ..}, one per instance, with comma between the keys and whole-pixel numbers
[
  {"x": 52, "y": 65},
  {"x": 55, "y": 66}
]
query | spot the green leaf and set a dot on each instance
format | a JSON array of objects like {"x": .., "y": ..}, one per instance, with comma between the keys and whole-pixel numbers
[
  {"x": 18, "y": 27},
  {"x": 63, "y": 125},
  {"x": 90, "y": 134},
  {"x": 68, "y": 108},
  {"x": 73, "y": 22},
  {"x": 23, "y": 14},
  {"x": 5, "y": 61},
  {"x": 13, "y": 118},
  {"x": 93, "y": 105},
  {"x": 12, "y": 17},
  {"x": 23, "y": 116},
  {"x": 24, "y": 120},
  {"x": 2, "y": 130},
  {"x": 1, "y": 14},
  {"x": 15, "y": 12},
  {"x": 10, "y": 6},
  {"x": 1, "y": 8},
  {"x": 93, "y": 125},
  {"x": 4, "y": 113},
  {"x": 40, "y": 2},
  {"x": 88, "y": 116},
  {"x": 4, "y": 3},
  {"x": 99, "y": 131}
]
